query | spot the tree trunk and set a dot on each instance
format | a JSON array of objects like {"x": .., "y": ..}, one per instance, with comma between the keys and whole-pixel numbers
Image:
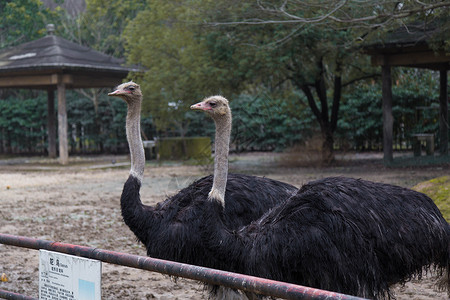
[
  {"x": 328, "y": 124},
  {"x": 388, "y": 119},
  {"x": 327, "y": 146},
  {"x": 443, "y": 113}
]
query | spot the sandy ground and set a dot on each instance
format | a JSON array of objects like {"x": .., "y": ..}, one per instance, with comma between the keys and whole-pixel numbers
[{"x": 79, "y": 204}]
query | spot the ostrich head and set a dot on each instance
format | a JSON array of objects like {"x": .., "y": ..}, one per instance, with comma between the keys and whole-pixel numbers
[
  {"x": 215, "y": 106},
  {"x": 128, "y": 91}
]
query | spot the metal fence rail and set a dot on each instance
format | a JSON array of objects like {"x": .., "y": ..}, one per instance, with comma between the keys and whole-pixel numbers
[
  {"x": 14, "y": 296},
  {"x": 207, "y": 275}
]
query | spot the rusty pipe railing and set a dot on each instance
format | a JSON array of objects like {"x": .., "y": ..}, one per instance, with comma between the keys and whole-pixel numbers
[
  {"x": 211, "y": 276},
  {"x": 14, "y": 296}
]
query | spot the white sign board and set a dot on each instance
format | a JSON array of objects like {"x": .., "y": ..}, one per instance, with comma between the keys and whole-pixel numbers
[{"x": 67, "y": 277}]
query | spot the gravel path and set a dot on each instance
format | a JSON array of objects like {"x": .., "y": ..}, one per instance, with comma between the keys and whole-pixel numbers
[{"x": 79, "y": 204}]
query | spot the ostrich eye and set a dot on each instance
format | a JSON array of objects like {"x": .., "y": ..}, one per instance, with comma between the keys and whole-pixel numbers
[
  {"x": 131, "y": 88},
  {"x": 212, "y": 104}
]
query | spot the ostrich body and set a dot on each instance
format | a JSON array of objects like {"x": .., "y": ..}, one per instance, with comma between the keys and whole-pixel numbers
[
  {"x": 341, "y": 234},
  {"x": 170, "y": 230}
]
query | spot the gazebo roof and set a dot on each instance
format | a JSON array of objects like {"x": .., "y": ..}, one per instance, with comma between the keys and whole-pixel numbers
[
  {"x": 54, "y": 63},
  {"x": 411, "y": 46},
  {"x": 52, "y": 52},
  {"x": 408, "y": 36},
  {"x": 79, "y": 65}
]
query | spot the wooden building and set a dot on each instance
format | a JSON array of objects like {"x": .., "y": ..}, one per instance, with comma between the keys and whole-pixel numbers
[
  {"x": 416, "y": 46},
  {"x": 54, "y": 64}
]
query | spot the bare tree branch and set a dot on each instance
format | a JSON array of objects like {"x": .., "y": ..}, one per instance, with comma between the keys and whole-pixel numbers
[
  {"x": 286, "y": 17},
  {"x": 368, "y": 76},
  {"x": 282, "y": 9}
]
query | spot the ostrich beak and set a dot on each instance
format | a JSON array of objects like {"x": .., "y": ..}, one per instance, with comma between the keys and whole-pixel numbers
[
  {"x": 199, "y": 106},
  {"x": 115, "y": 93}
]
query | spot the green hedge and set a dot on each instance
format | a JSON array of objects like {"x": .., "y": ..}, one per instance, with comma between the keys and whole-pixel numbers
[{"x": 184, "y": 148}]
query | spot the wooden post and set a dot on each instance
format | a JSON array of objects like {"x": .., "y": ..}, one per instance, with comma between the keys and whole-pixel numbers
[
  {"x": 62, "y": 124},
  {"x": 388, "y": 120},
  {"x": 443, "y": 113},
  {"x": 51, "y": 123}
]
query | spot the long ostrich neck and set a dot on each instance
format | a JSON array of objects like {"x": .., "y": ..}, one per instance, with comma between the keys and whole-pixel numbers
[
  {"x": 222, "y": 147},
  {"x": 133, "y": 129}
]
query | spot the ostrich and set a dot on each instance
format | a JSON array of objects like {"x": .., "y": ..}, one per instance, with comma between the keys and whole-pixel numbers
[
  {"x": 171, "y": 229},
  {"x": 341, "y": 234}
]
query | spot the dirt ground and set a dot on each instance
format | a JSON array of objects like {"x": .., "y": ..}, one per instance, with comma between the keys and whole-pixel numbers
[{"x": 79, "y": 204}]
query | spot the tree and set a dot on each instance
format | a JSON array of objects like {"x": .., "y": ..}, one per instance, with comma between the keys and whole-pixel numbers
[
  {"x": 344, "y": 13},
  {"x": 104, "y": 21},
  {"x": 200, "y": 47},
  {"x": 317, "y": 60},
  {"x": 22, "y": 21},
  {"x": 315, "y": 46},
  {"x": 165, "y": 39},
  {"x": 99, "y": 27}
]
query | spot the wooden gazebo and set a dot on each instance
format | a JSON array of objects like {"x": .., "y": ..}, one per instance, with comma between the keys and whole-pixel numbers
[
  {"x": 412, "y": 47},
  {"x": 53, "y": 63}
]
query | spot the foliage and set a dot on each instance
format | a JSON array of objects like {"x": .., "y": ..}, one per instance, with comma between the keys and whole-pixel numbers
[
  {"x": 93, "y": 125},
  {"x": 23, "y": 125},
  {"x": 100, "y": 26},
  {"x": 287, "y": 74},
  {"x": 187, "y": 61},
  {"x": 163, "y": 38},
  {"x": 104, "y": 21},
  {"x": 261, "y": 123},
  {"x": 241, "y": 47},
  {"x": 345, "y": 14},
  {"x": 316, "y": 59},
  {"x": 22, "y": 21},
  {"x": 415, "y": 99},
  {"x": 360, "y": 126},
  {"x": 199, "y": 124},
  {"x": 313, "y": 47},
  {"x": 264, "y": 123},
  {"x": 102, "y": 131}
]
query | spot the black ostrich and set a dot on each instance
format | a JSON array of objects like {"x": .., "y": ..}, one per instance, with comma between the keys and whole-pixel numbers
[
  {"x": 341, "y": 234},
  {"x": 170, "y": 230}
]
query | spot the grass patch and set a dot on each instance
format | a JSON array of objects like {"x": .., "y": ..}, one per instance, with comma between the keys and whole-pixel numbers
[{"x": 438, "y": 189}]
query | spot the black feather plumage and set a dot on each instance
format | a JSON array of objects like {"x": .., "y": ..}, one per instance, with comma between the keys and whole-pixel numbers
[
  {"x": 171, "y": 229},
  {"x": 341, "y": 234}
]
